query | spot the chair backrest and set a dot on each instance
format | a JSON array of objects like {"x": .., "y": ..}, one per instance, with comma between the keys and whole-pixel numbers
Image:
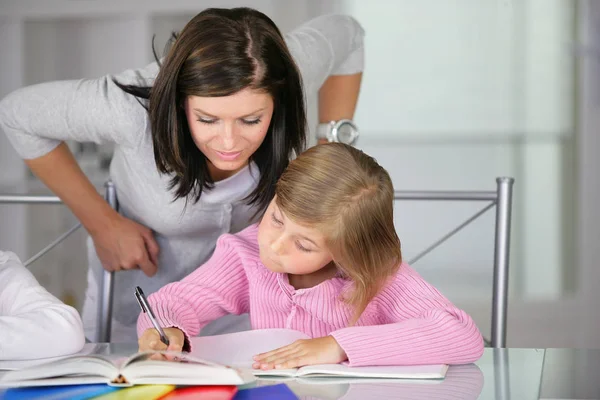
[{"x": 501, "y": 198}]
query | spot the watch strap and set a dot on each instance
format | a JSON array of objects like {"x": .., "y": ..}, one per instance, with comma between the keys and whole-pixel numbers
[{"x": 324, "y": 130}]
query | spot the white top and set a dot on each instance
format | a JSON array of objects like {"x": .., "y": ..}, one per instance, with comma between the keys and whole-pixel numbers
[
  {"x": 37, "y": 118},
  {"x": 33, "y": 323}
]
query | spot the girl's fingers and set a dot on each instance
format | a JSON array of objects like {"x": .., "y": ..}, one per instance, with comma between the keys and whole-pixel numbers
[
  {"x": 290, "y": 347},
  {"x": 278, "y": 359}
]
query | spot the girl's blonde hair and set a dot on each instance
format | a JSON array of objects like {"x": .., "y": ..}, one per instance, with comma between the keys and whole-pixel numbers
[{"x": 349, "y": 197}]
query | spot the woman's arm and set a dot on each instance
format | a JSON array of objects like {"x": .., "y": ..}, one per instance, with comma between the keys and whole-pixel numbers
[
  {"x": 421, "y": 327},
  {"x": 119, "y": 242},
  {"x": 338, "y": 97},
  {"x": 329, "y": 51},
  {"x": 38, "y": 119},
  {"x": 33, "y": 323},
  {"x": 59, "y": 170}
]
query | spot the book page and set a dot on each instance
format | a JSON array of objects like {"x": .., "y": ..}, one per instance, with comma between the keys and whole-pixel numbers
[
  {"x": 237, "y": 349},
  {"x": 176, "y": 357},
  {"x": 184, "y": 370},
  {"x": 90, "y": 365},
  {"x": 403, "y": 372}
]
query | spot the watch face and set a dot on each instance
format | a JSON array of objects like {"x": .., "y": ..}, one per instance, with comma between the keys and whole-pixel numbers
[{"x": 346, "y": 133}]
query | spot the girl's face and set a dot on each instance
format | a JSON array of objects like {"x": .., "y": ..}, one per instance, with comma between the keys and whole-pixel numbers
[
  {"x": 229, "y": 129},
  {"x": 287, "y": 247}
]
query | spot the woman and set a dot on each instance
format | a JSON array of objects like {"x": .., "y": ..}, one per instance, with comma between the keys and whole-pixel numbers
[{"x": 199, "y": 142}]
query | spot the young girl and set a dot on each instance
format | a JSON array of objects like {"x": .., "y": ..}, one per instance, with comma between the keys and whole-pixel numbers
[
  {"x": 324, "y": 260},
  {"x": 33, "y": 323}
]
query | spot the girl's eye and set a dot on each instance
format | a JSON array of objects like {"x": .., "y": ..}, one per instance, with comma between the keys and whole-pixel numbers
[
  {"x": 275, "y": 220},
  {"x": 207, "y": 121},
  {"x": 302, "y": 248},
  {"x": 251, "y": 122}
]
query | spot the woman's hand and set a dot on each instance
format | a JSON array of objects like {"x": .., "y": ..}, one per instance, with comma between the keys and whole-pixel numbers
[
  {"x": 323, "y": 350},
  {"x": 150, "y": 340},
  {"x": 127, "y": 245}
]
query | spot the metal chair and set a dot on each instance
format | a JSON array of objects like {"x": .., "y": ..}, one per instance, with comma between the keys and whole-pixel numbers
[{"x": 501, "y": 198}]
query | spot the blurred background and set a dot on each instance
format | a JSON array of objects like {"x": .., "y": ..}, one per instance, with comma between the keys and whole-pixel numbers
[{"x": 455, "y": 93}]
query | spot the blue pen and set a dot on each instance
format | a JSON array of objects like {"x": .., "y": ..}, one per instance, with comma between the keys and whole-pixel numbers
[{"x": 145, "y": 306}]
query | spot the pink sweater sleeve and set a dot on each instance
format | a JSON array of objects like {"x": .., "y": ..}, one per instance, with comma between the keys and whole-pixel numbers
[
  {"x": 420, "y": 327},
  {"x": 217, "y": 288}
]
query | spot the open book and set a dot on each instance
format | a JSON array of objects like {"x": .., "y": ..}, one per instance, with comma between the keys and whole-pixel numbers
[
  {"x": 117, "y": 370},
  {"x": 237, "y": 349}
]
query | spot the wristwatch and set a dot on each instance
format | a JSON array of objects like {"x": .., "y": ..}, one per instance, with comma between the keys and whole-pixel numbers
[{"x": 343, "y": 131}]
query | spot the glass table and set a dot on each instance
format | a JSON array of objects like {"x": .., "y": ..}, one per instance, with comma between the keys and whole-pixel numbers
[
  {"x": 500, "y": 374},
  {"x": 571, "y": 374}
]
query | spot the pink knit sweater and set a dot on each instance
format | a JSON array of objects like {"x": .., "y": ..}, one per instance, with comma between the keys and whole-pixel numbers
[{"x": 408, "y": 323}]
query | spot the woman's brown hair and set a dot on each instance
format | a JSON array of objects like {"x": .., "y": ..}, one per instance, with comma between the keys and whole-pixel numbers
[
  {"x": 218, "y": 53},
  {"x": 349, "y": 197}
]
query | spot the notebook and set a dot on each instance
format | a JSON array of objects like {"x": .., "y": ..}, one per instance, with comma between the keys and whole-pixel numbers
[
  {"x": 202, "y": 393},
  {"x": 138, "y": 369},
  {"x": 142, "y": 392},
  {"x": 237, "y": 349}
]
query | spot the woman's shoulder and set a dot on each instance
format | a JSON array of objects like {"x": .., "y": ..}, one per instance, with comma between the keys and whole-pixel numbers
[
  {"x": 335, "y": 24},
  {"x": 143, "y": 76},
  {"x": 328, "y": 44}
]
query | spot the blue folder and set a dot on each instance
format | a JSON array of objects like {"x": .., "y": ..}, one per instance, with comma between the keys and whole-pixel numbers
[
  {"x": 71, "y": 392},
  {"x": 271, "y": 392}
]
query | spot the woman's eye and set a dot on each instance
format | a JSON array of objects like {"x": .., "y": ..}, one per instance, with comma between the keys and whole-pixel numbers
[
  {"x": 251, "y": 121},
  {"x": 207, "y": 121}
]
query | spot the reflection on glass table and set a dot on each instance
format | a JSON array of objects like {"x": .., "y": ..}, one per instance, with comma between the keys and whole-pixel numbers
[
  {"x": 571, "y": 374},
  {"x": 500, "y": 374},
  {"x": 462, "y": 382}
]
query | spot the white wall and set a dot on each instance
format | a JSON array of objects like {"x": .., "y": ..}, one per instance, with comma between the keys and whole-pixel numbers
[{"x": 589, "y": 164}]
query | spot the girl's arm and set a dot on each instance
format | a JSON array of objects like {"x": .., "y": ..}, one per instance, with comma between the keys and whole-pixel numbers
[
  {"x": 217, "y": 288},
  {"x": 419, "y": 326},
  {"x": 33, "y": 323}
]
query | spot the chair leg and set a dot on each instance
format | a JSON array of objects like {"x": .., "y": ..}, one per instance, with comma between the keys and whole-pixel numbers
[
  {"x": 105, "y": 291},
  {"x": 501, "y": 261}
]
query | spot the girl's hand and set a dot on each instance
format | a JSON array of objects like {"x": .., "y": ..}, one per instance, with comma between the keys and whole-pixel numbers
[
  {"x": 150, "y": 340},
  {"x": 127, "y": 245},
  {"x": 323, "y": 350}
]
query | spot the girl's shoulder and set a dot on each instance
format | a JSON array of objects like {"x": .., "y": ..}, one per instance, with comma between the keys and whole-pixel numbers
[
  {"x": 248, "y": 235},
  {"x": 244, "y": 243},
  {"x": 405, "y": 280}
]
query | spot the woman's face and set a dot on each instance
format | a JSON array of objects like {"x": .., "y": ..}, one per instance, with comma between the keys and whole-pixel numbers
[{"x": 229, "y": 129}]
